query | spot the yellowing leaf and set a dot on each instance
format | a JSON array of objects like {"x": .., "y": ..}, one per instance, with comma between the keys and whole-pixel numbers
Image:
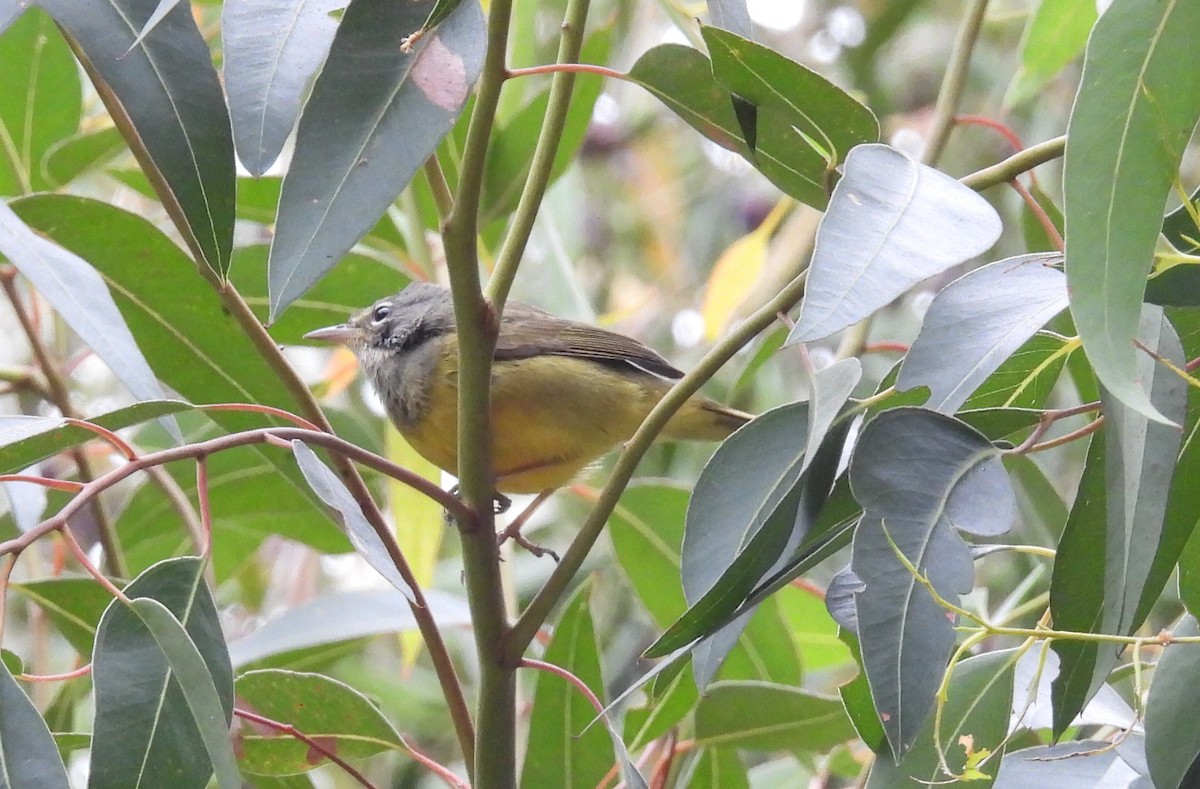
[
  {"x": 419, "y": 525},
  {"x": 737, "y": 271}
]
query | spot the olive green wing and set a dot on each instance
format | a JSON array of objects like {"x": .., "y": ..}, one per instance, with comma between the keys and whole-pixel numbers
[{"x": 526, "y": 332}]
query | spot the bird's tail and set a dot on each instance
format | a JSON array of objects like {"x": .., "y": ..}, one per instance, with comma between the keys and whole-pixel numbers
[{"x": 701, "y": 419}]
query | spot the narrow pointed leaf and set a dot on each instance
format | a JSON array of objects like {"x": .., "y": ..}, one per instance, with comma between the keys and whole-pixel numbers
[
  {"x": 78, "y": 293},
  {"x": 73, "y": 605},
  {"x": 166, "y": 97},
  {"x": 1054, "y": 36},
  {"x": 82, "y": 153},
  {"x": 341, "y": 616},
  {"x": 563, "y": 750},
  {"x": 797, "y": 100},
  {"x": 163, "y": 8},
  {"x": 363, "y": 536},
  {"x": 190, "y": 671},
  {"x": 1075, "y": 763},
  {"x": 28, "y": 755},
  {"x": 976, "y": 322},
  {"x": 375, "y": 115},
  {"x": 731, "y": 15},
  {"x": 1138, "y": 103},
  {"x": 1107, "y": 557},
  {"x": 1172, "y": 738},
  {"x": 41, "y": 99},
  {"x": 144, "y": 733},
  {"x": 921, "y": 477},
  {"x": 24, "y": 440},
  {"x": 272, "y": 49},
  {"x": 891, "y": 223}
]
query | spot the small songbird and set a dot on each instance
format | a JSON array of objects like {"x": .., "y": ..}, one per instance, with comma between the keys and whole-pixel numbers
[{"x": 563, "y": 393}]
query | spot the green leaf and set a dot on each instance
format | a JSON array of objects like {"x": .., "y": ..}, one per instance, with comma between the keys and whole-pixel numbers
[
  {"x": 336, "y": 715},
  {"x": 82, "y": 153},
  {"x": 78, "y": 294},
  {"x": 767, "y": 717},
  {"x": 40, "y": 100},
  {"x": 1054, "y": 36},
  {"x": 191, "y": 342},
  {"x": 189, "y": 669},
  {"x": 271, "y": 51},
  {"x": 375, "y": 115},
  {"x": 1138, "y": 102},
  {"x": 28, "y": 755},
  {"x": 856, "y": 696},
  {"x": 1172, "y": 738},
  {"x": 362, "y": 534},
  {"x": 682, "y": 78},
  {"x": 561, "y": 752},
  {"x": 357, "y": 281},
  {"x": 647, "y": 529},
  {"x": 978, "y": 705},
  {"x": 166, "y": 98},
  {"x": 719, "y": 767},
  {"x": 892, "y": 222},
  {"x": 976, "y": 322},
  {"x": 1022, "y": 381},
  {"x": 921, "y": 477},
  {"x": 732, "y": 542},
  {"x": 792, "y": 101},
  {"x": 341, "y": 616},
  {"x": 73, "y": 605},
  {"x": 1106, "y": 564},
  {"x": 24, "y": 440},
  {"x": 144, "y": 733},
  {"x": 663, "y": 712}
]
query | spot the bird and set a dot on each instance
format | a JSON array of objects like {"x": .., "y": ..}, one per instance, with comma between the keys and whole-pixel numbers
[{"x": 563, "y": 393}]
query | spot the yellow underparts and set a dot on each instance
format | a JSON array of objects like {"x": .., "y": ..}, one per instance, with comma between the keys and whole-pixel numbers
[{"x": 552, "y": 415}]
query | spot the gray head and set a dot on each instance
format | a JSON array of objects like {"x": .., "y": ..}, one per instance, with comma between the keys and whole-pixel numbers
[
  {"x": 396, "y": 323},
  {"x": 394, "y": 340}
]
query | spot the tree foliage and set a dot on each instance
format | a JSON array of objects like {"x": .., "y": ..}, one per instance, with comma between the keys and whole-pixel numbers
[{"x": 957, "y": 543}]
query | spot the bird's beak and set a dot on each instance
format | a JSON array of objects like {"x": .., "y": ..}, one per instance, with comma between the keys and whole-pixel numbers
[{"x": 342, "y": 333}]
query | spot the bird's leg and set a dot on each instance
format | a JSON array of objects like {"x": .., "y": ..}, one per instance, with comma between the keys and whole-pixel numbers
[
  {"x": 513, "y": 530},
  {"x": 500, "y": 504}
]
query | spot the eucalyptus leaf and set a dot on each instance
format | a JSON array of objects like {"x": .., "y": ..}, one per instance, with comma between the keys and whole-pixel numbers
[
  {"x": 144, "y": 731},
  {"x": 78, "y": 293},
  {"x": 272, "y": 49},
  {"x": 892, "y": 222},
  {"x": 1138, "y": 103},
  {"x": 28, "y": 755},
  {"x": 978, "y": 321},
  {"x": 166, "y": 97},
  {"x": 1172, "y": 739},
  {"x": 375, "y": 115},
  {"x": 921, "y": 477},
  {"x": 362, "y": 535}
]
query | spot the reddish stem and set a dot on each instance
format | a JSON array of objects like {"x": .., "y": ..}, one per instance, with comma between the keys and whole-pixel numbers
[
  {"x": 205, "y": 505},
  {"x": 292, "y": 731},
  {"x": 69, "y": 485},
  {"x": 558, "y": 671},
  {"x": 82, "y": 671},
  {"x": 86, "y": 563},
  {"x": 569, "y": 68},
  {"x": 999, "y": 127},
  {"x": 107, "y": 435},
  {"x": 1042, "y": 217},
  {"x": 269, "y": 410}
]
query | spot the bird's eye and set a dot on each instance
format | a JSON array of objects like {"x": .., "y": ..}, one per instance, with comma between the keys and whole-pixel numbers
[{"x": 381, "y": 312}]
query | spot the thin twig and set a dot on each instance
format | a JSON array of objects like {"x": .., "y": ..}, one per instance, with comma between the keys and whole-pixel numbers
[
  {"x": 955, "y": 81},
  {"x": 311, "y": 742}
]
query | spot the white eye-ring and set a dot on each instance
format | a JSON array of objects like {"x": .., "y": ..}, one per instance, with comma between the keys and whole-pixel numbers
[{"x": 381, "y": 312}]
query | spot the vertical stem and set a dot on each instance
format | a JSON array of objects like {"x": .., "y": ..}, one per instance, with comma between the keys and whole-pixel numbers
[
  {"x": 559, "y": 101},
  {"x": 477, "y": 322},
  {"x": 955, "y": 80},
  {"x": 114, "y": 559}
]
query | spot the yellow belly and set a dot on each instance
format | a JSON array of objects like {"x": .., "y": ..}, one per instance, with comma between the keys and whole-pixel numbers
[{"x": 550, "y": 417}]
